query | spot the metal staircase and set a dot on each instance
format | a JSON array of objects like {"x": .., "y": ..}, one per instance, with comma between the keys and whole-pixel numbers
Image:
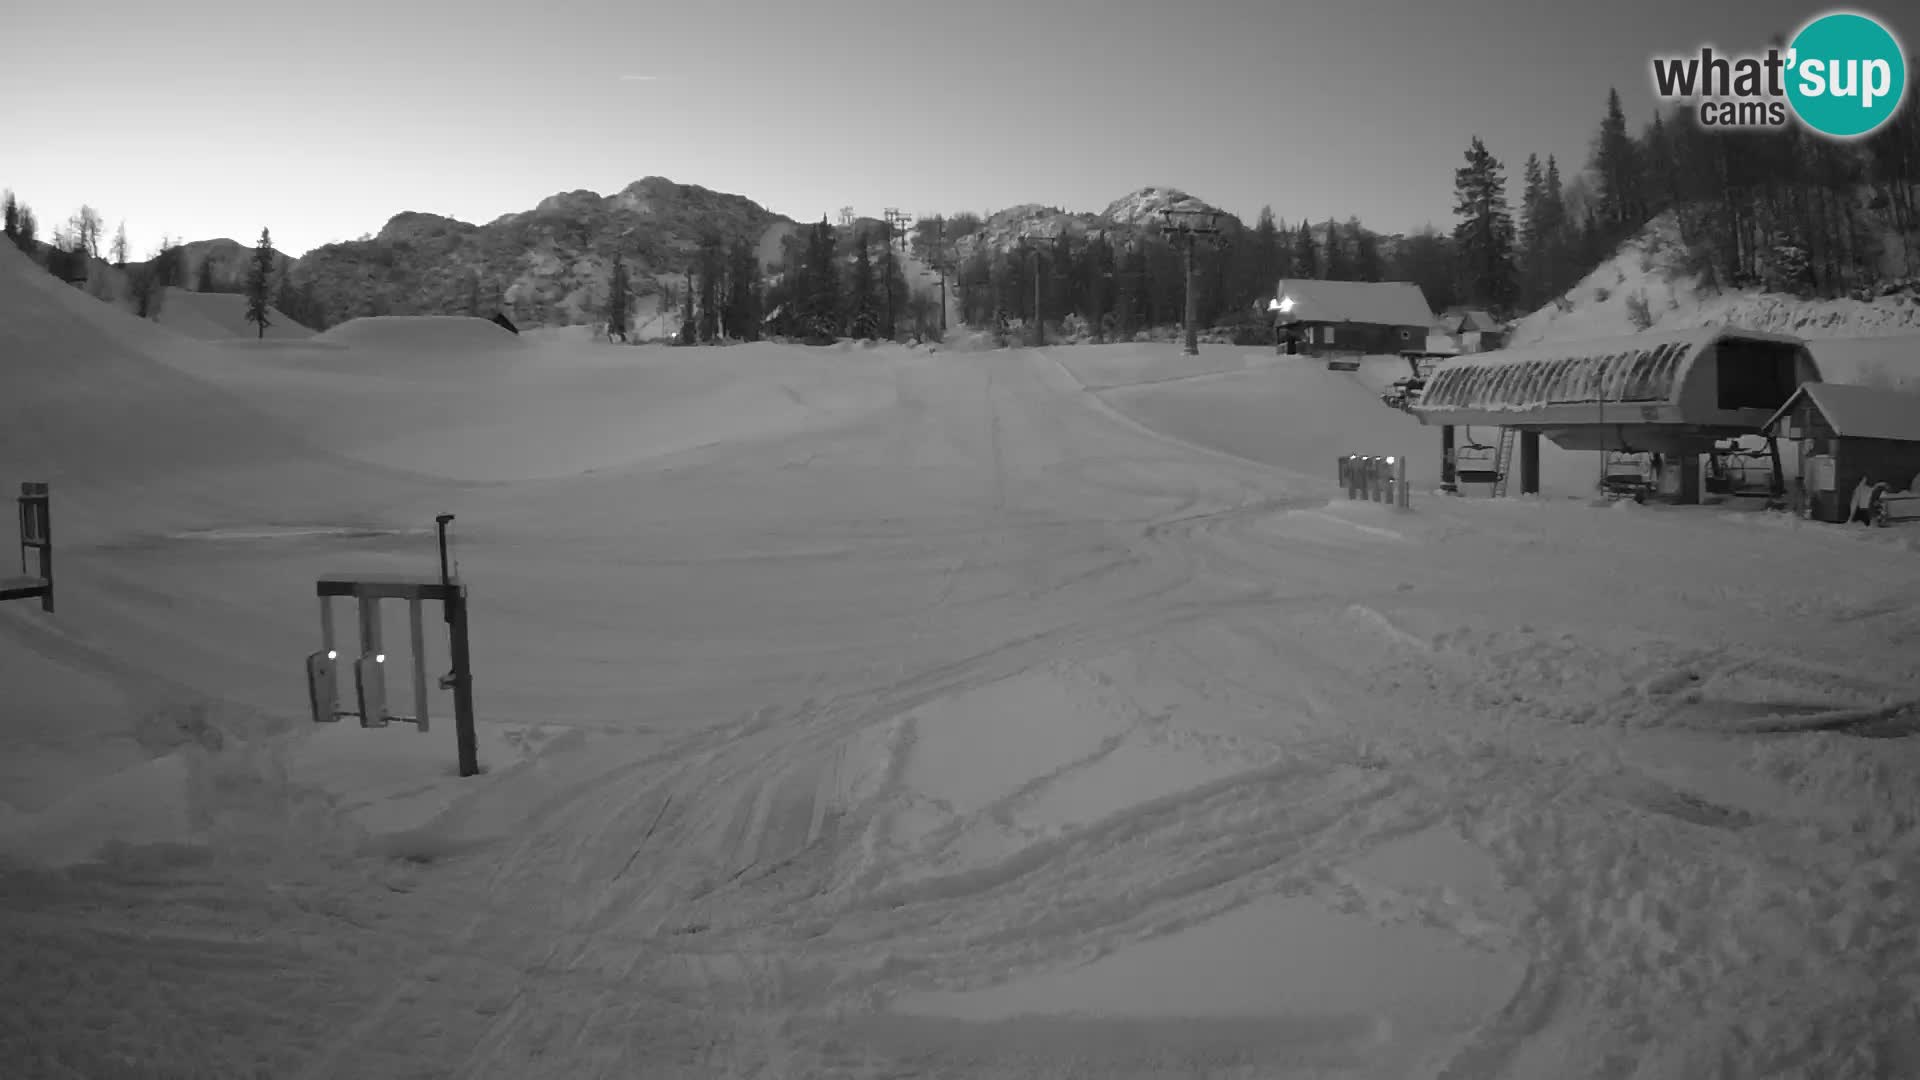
[{"x": 1503, "y": 461}]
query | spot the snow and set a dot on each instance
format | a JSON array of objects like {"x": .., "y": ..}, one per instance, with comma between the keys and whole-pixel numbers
[
  {"x": 1644, "y": 272},
  {"x": 222, "y": 316},
  {"x": 879, "y": 712}
]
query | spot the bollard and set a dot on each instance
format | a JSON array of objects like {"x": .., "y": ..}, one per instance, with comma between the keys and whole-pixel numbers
[{"x": 1403, "y": 497}]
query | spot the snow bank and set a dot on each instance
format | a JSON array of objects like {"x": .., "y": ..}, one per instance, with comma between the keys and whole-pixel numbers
[
  {"x": 92, "y": 405},
  {"x": 219, "y": 316},
  {"x": 423, "y": 333}
]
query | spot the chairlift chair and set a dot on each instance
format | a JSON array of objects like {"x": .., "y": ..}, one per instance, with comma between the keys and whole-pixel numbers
[
  {"x": 1738, "y": 471},
  {"x": 1476, "y": 463},
  {"x": 1627, "y": 474}
]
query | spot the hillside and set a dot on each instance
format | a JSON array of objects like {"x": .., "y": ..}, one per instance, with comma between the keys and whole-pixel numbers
[
  {"x": 548, "y": 265},
  {"x": 1646, "y": 277},
  {"x": 1138, "y": 210},
  {"x": 551, "y": 265}
]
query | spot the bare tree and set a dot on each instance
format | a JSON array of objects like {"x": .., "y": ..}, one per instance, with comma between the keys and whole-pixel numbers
[
  {"x": 86, "y": 226},
  {"x": 120, "y": 246}
]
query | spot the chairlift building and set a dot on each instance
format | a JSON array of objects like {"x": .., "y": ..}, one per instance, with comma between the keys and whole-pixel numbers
[
  {"x": 1671, "y": 393},
  {"x": 1670, "y": 396}
]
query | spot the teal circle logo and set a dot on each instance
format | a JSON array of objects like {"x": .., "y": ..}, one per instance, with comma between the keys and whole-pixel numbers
[{"x": 1847, "y": 75}]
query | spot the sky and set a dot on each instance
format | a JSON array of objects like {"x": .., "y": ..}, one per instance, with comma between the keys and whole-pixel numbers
[{"x": 211, "y": 118}]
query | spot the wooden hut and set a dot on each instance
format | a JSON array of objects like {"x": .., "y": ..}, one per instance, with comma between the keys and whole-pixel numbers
[{"x": 1851, "y": 439}]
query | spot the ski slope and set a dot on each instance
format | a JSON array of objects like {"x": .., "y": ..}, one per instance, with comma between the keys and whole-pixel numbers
[{"x": 878, "y": 712}]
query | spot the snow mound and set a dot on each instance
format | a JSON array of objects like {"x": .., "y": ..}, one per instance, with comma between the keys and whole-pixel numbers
[
  {"x": 421, "y": 333},
  {"x": 122, "y": 435},
  {"x": 217, "y": 316}
]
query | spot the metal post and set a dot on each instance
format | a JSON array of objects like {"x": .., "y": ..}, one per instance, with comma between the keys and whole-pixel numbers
[
  {"x": 326, "y": 626},
  {"x": 1529, "y": 462},
  {"x": 1449, "y": 472},
  {"x": 419, "y": 644},
  {"x": 1402, "y": 497},
  {"x": 1193, "y": 305},
  {"x": 446, "y": 576},
  {"x": 463, "y": 728}
]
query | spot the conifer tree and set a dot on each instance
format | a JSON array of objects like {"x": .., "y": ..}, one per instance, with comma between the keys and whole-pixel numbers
[
  {"x": 1306, "y": 254},
  {"x": 259, "y": 279},
  {"x": 1484, "y": 235}
]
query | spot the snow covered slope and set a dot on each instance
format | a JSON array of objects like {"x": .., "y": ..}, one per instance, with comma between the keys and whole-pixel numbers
[
  {"x": 219, "y": 316},
  {"x": 950, "y": 720},
  {"x": 1643, "y": 274}
]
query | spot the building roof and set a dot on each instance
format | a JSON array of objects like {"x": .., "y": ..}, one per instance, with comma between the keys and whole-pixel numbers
[
  {"x": 1640, "y": 368},
  {"x": 1860, "y": 412},
  {"x": 1380, "y": 303},
  {"x": 1467, "y": 320}
]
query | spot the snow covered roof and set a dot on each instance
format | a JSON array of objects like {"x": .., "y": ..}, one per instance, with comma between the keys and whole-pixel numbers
[
  {"x": 1640, "y": 368},
  {"x": 1380, "y": 303},
  {"x": 1861, "y": 412}
]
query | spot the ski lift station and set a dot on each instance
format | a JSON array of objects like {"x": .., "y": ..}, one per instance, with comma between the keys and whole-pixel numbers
[{"x": 1675, "y": 395}]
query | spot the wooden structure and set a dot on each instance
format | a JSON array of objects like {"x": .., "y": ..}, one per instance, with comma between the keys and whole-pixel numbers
[
  {"x": 1859, "y": 448},
  {"x": 369, "y": 668},
  {"x": 1360, "y": 317},
  {"x": 36, "y": 535},
  {"x": 1476, "y": 330}
]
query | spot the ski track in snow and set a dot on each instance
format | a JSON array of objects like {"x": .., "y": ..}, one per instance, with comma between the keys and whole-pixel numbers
[{"x": 1274, "y": 690}]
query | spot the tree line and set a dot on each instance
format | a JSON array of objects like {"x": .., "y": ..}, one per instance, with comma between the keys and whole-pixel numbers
[{"x": 74, "y": 253}]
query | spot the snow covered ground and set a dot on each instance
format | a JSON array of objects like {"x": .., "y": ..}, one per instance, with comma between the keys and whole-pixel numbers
[{"x": 879, "y": 712}]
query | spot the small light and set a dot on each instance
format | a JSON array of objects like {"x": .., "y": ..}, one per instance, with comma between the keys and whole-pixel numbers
[
  {"x": 1389, "y": 461},
  {"x": 332, "y": 655},
  {"x": 379, "y": 658}
]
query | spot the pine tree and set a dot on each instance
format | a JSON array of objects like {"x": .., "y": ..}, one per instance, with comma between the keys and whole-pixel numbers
[
  {"x": 120, "y": 246},
  {"x": 1306, "y": 254},
  {"x": 1335, "y": 264},
  {"x": 11, "y": 212},
  {"x": 1367, "y": 263},
  {"x": 26, "y": 228},
  {"x": 1551, "y": 229},
  {"x": 1661, "y": 166},
  {"x": 822, "y": 307},
  {"x": 1426, "y": 260},
  {"x": 891, "y": 280},
  {"x": 862, "y": 304},
  {"x": 1532, "y": 253},
  {"x": 285, "y": 297},
  {"x": 259, "y": 279},
  {"x": 1263, "y": 257},
  {"x": 1617, "y": 170},
  {"x": 204, "y": 281},
  {"x": 689, "y": 322},
  {"x": 1484, "y": 235},
  {"x": 743, "y": 292},
  {"x": 619, "y": 299}
]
